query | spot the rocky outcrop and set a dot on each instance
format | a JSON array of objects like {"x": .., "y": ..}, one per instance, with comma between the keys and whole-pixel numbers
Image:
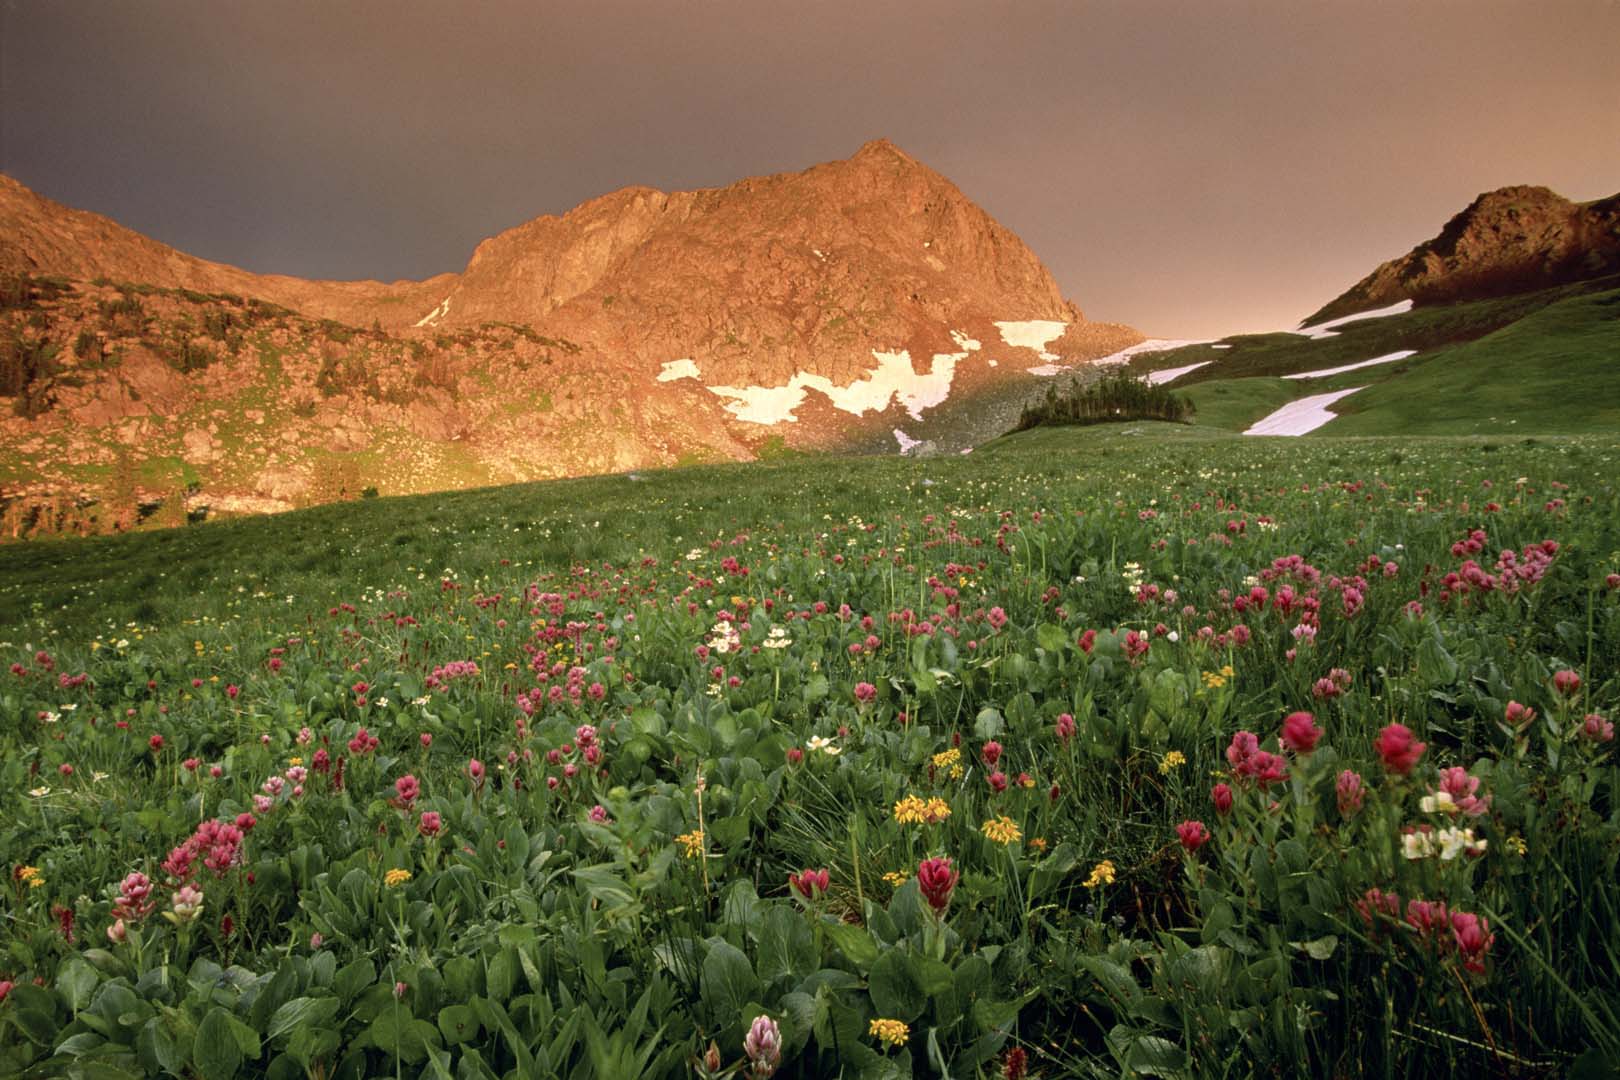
[{"x": 1514, "y": 239}]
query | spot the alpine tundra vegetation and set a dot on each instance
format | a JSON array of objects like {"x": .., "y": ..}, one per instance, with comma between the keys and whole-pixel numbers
[{"x": 1090, "y": 753}]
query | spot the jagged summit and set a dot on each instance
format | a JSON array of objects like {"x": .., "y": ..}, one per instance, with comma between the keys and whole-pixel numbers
[{"x": 1512, "y": 239}]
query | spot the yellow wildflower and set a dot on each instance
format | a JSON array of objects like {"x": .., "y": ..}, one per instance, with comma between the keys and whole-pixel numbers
[
  {"x": 31, "y": 876},
  {"x": 295, "y": 760},
  {"x": 692, "y": 842},
  {"x": 1227, "y": 671},
  {"x": 1002, "y": 830},
  {"x": 893, "y": 1032},
  {"x": 1517, "y": 845},
  {"x": 1101, "y": 874},
  {"x": 913, "y": 810},
  {"x": 395, "y": 878},
  {"x": 1213, "y": 681},
  {"x": 946, "y": 758},
  {"x": 1174, "y": 759},
  {"x": 1038, "y": 843},
  {"x": 895, "y": 878}
]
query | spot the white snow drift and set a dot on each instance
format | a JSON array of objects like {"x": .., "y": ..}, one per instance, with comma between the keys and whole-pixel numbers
[
  {"x": 1150, "y": 345},
  {"x": 1159, "y": 378},
  {"x": 436, "y": 314},
  {"x": 1298, "y": 417},
  {"x": 1387, "y": 358},
  {"x": 1032, "y": 334},
  {"x": 1325, "y": 330},
  {"x": 684, "y": 368},
  {"x": 893, "y": 379}
]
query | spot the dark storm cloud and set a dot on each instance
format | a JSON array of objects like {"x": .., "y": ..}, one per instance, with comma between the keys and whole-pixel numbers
[{"x": 1189, "y": 168}]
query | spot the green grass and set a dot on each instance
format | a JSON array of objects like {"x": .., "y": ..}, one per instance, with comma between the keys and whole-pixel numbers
[
  {"x": 1543, "y": 363},
  {"x": 1555, "y": 370},
  {"x": 1422, "y": 329},
  {"x": 1234, "y": 404}
]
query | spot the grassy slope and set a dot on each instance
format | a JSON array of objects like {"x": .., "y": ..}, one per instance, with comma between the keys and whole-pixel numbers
[
  {"x": 1422, "y": 329},
  {"x": 1547, "y": 362},
  {"x": 248, "y": 567},
  {"x": 1555, "y": 370}
]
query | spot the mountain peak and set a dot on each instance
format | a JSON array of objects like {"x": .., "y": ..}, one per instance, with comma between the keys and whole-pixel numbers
[
  {"x": 1511, "y": 239},
  {"x": 881, "y": 147}
]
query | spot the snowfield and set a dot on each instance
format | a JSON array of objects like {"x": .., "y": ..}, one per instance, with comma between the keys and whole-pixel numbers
[
  {"x": 684, "y": 368},
  {"x": 1159, "y": 378},
  {"x": 1150, "y": 345},
  {"x": 1325, "y": 330},
  {"x": 1387, "y": 358},
  {"x": 893, "y": 379},
  {"x": 1033, "y": 334},
  {"x": 1299, "y": 417}
]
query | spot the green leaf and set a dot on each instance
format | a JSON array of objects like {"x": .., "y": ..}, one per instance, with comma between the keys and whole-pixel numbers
[
  {"x": 215, "y": 1050},
  {"x": 988, "y": 724},
  {"x": 398, "y": 1033},
  {"x": 308, "y": 1044},
  {"x": 353, "y": 978},
  {"x": 38, "y": 1026},
  {"x": 1322, "y": 947},
  {"x": 786, "y": 945},
  {"x": 1220, "y": 919},
  {"x": 75, "y": 982},
  {"x": 459, "y": 1024},
  {"x": 855, "y": 942},
  {"x": 727, "y": 983},
  {"x": 1152, "y": 1056},
  {"x": 461, "y": 977},
  {"x": 301, "y": 1012},
  {"x": 1051, "y": 638},
  {"x": 158, "y": 1049},
  {"x": 894, "y": 988}
]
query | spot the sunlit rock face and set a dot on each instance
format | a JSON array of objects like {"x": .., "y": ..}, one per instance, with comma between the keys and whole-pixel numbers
[{"x": 825, "y": 308}]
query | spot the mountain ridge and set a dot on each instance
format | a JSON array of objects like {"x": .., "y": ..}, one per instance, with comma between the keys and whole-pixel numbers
[
  {"x": 1511, "y": 239},
  {"x": 860, "y": 303}
]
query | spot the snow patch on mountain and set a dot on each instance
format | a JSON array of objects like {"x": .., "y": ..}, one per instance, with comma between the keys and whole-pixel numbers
[
  {"x": 1032, "y": 334},
  {"x": 1149, "y": 346},
  {"x": 1159, "y": 378},
  {"x": 1387, "y": 358},
  {"x": 1326, "y": 330},
  {"x": 1299, "y": 417},
  {"x": 892, "y": 380},
  {"x": 436, "y": 314},
  {"x": 684, "y": 368}
]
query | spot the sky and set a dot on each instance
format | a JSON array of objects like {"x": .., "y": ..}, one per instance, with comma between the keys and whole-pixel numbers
[{"x": 1191, "y": 169}]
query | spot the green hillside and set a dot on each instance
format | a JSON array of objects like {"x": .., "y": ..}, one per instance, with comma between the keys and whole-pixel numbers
[{"x": 1543, "y": 363}]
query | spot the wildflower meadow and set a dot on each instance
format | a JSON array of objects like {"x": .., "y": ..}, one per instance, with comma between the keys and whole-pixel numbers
[{"x": 1086, "y": 754}]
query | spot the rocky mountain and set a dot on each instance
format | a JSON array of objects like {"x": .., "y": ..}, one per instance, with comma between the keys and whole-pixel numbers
[
  {"x": 1514, "y": 239},
  {"x": 862, "y": 303}
]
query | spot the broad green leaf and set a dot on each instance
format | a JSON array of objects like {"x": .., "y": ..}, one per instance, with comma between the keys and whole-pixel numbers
[
  {"x": 855, "y": 942},
  {"x": 727, "y": 983},
  {"x": 786, "y": 946},
  {"x": 459, "y": 1023},
  {"x": 215, "y": 1051},
  {"x": 894, "y": 988},
  {"x": 75, "y": 982},
  {"x": 301, "y": 1012}
]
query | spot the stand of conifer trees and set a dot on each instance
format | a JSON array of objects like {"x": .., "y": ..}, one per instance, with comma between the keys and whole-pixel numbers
[{"x": 1113, "y": 398}]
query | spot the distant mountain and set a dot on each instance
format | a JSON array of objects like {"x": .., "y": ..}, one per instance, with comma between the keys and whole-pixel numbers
[
  {"x": 862, "y": 303},
  {"x": 1514, "y": 239}
]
